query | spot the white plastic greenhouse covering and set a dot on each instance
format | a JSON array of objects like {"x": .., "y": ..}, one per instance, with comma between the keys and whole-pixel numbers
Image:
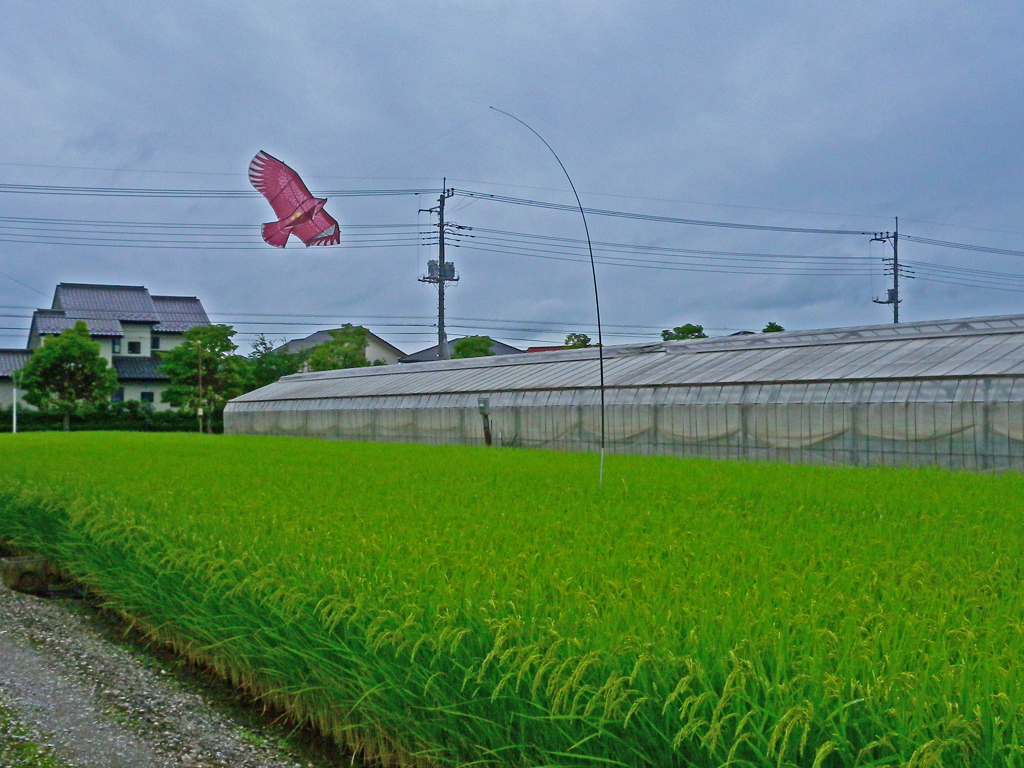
[{"x": 948, "y": 393}]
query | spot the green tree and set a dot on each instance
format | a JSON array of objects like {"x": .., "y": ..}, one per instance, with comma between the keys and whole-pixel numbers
[
  {"x": 772, "y": 328},
  {"x": 203, "y": 371},
  {"x": 472, "y": 346},
  {"x": 266, "y": 365},
  {"x": 682, "y": 332},
  {"x": 66, "y": 372},
  {"x": 577, "y": 340},
  {"x": 346, "y": 349}
]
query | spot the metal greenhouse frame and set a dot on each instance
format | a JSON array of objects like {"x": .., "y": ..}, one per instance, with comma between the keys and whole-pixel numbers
[{"x": 947, "y": 393}]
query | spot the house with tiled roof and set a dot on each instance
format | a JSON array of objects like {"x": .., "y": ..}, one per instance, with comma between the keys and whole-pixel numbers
[
  {"x": 132, "y": 327},
  {"x": 11, "y": 361},
  {"x": 376, "y": 347},
  {"x": 430, "y": 353}
]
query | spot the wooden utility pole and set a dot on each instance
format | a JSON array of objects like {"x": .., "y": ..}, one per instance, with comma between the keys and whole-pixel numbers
[
  {"x": 442, "y": 338},
  {"x": 893, "y": 293},
  {"x": 896, "y": 272},
  {"x": 440, "y": 272}
]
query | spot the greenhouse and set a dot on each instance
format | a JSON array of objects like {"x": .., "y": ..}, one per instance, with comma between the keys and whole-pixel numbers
[{"x": 948, "y": 393}]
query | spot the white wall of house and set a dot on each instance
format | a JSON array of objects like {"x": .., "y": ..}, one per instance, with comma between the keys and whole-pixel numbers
[
  {"x": 106, "y": 348},
  {"x": 377, "y": 351},
  {"x": 139, "y": 333},
  {"x": 134, "y": 390},
  {"x": 169, "y": 341},
  {"x": 136, "y": 339},
  {"x": 143, "y": 336},
  {"x": 7, "y": 395}
]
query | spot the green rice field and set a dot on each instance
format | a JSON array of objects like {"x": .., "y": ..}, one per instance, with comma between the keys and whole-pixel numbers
[{"x": 443, "y": 605}]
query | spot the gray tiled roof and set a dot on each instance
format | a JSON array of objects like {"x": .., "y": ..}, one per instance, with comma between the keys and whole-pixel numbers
[
  {"x": 319, "y": 337},
  {"x": 299, "y": 345},
  {"x": 12, "y": 360},
  {"x": 48, "y": 321},
  {"x": 179, "y": 313},
  {"x": 430, "y": 353},
  {"x": 137, "y": 368},
  {"x": 128, "y": 368},
  {"x": 131, "y": 303},
  {"x": 105, "y": 307}
]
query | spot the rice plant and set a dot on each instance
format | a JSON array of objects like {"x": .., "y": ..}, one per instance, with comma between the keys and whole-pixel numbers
[{"x": 688, "y": 613}]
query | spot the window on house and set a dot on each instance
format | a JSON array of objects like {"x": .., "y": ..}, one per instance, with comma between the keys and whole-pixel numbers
[
  {"x": 134, "y": 347},
  {"x": 115, "y": 346},
  {"x": 118, "y": 396},
  {"x": 146, "y": 397},
  {"x": 154, "y": 342}
]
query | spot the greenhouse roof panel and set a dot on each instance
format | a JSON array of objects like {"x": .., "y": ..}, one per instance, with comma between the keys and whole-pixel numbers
[
  {"x": 973, "y": 347},
  {"x": 981, "y": 356}
]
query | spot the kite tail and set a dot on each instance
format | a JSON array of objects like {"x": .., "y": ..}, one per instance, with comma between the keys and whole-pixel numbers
[{"x": 276, "y": 233}]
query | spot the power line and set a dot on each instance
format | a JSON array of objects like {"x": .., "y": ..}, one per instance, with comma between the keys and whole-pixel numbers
[
  {"x": 493, "y": 323},
  {"x": 208, "y": 194},
  {"x": 965, "y": 226},
  {"x": 980, "y": 274},
  {"x": 156, "y": 245},
  {"x": 173, "y": 225},
  {"x": 652, "y": 217},
  {"x": 676, "y": 266},
  {"x": 23, "y": 285},
  {"x": 572, "y": 243},
  {"x": 373, "y": 175},
  {"x": 185, "y": 236},
  {"x": 62, "y": 232},
  {"x": 334, "y": 317},
  {"x": 681, "y": 255},
  {"x": 223, "y": 194},
  {"x": 963, "y": 246},
  {"x": 231, "y": 194}
]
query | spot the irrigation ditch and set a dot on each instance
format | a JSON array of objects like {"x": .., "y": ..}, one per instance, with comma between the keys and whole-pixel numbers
[{"x": 79, "y": 688}]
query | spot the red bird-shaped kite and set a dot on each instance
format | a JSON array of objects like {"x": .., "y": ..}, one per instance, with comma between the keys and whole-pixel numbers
[{"x": 299, "y": 213}]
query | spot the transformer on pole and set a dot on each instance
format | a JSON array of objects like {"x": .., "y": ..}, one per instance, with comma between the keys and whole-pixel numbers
[
  {"x": 893, "y": 294},
  {"x": 440, "y": 273}
]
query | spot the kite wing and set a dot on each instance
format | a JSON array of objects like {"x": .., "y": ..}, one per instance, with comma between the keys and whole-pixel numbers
[
  {"x": 278, "y": 183},
  {"x": 320, "y": 229},
  {"x": 298, "y": 212}
]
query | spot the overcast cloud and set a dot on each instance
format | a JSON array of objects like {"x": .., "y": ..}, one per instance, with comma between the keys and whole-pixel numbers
[{"x": 789, "y": 114}]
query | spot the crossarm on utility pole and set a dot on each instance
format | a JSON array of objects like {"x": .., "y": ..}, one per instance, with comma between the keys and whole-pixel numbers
[{"x": 442, "y": 275}]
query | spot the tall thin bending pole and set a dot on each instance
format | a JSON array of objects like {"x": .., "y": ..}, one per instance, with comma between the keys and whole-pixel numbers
[{"x": 593, "y": 271}]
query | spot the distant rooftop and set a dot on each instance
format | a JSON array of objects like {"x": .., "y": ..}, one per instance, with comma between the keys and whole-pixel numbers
[
  {"x": 319, "y": 337},
  {"x": 430, "y": 353},
  {"x": 967, "y": 326},
  {"x": 12, "y": 360}
]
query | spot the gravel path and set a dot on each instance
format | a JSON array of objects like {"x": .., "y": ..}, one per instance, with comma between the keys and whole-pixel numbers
[{"x": 94, "y": 702}]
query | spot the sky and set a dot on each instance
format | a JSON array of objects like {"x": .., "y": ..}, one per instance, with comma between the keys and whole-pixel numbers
[{"x": 774, "y": 116}]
